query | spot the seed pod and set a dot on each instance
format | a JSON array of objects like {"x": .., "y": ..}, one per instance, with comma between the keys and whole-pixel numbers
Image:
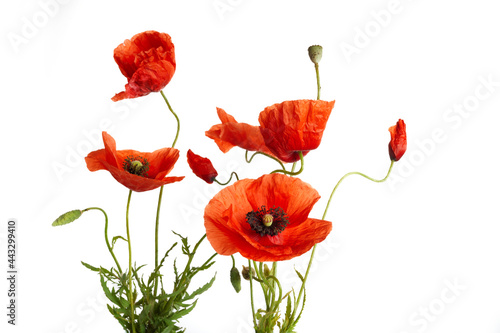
[{"x": 315, "y": 53}]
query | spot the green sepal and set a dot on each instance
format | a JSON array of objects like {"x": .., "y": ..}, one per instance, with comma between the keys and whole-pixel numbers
[{"x": 67, "y": 217}]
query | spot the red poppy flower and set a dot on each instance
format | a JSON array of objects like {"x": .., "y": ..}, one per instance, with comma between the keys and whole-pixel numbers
[
  {"x": 397, "y": 145},
  {"x": 265, "y": 219},
  {"x": 135, "y": 170},
  {"x": 285, "y": 129},
  {"x": 202, "y": 167},
  {"x": 147, "y": 61}
]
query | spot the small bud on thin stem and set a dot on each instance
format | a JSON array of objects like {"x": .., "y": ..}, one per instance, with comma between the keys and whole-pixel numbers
[
  {"x": 315, "y": 53},
  {"x": 245, "y": 272}
]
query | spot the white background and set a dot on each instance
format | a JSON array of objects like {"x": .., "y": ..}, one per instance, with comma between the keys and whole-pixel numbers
[{"x": 395, "y": 249}]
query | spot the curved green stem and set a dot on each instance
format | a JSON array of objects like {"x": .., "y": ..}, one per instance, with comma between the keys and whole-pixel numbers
[
  {"x": 157, "y": 226},
  {"x": 176, "y": 118},
  {"x": 275, "y": 304},
  {"x": 234, "y": 262},
  {"x": 292, "y": 173},
  {"x": 324, "y": 215},
  {"x": 106, "y": 236},
  {"x": 360, "y": 174},
  {"x": 232, "y": 174},
  {"x": 316, "y": 67},
  {"x": 261, "y": 153},
  {"x": 131, "y": 296},
  {"x": 251, "y": 294}
]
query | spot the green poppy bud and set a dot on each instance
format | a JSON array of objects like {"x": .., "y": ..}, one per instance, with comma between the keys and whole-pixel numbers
[
  {"x": 246, "y": 273},
  {"x": 67, "y": 217},
  {"x": 267, "y": 271},
  {"x": 235, "y": 279}
]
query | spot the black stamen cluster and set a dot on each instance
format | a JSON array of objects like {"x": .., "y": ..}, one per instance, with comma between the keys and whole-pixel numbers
[
  {"x": 142, "y": 171},
  {"x": 255, "y": 219}
]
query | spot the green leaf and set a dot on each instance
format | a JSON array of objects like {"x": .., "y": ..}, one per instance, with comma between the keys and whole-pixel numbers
[
  {"x": 111, "y": 296},
  {"x": 67, "y": 217},
  {"x": 183, "y": 312},
  {"x": 300, "y": 275},
  {"x": 288, "y": 307},
  {"x": 115, "y": 239},
  {"x": 200, "y": 290},
  {"x": 168, "y": 329},
  {"x": 120, "y": 319},
  {"x": 92, "y": 268}
]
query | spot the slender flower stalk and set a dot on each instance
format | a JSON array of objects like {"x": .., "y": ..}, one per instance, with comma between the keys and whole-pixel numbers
[
  {"x": 293, "y": 173},
  {"x": 316, "y": 67},
  {"x": 131, "y": 294},
  {"x": 157, "y": 224},
  {"x": 232, "y": 174},
  {"x": 360, "y": 174},
  {"x": 176, "y": 118},
  {"x": 324, "y": 215},
  {"x": 261, "y": 153},
  {"x": 110, "y": 249},
  {"x": 251, "y": 293}
]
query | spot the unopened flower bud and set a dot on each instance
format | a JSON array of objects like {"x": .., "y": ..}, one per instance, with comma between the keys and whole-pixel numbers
[
  {"x": 315, "y": 53},
  {"x": 267, "y": 271},
  {"x": 245, "y": 272},
  {"x": 202, "y": 167},
  {"x": 235, "y": 279},
  {"x": 67, "y": 217},
  {"x": 397, "y": 145}
]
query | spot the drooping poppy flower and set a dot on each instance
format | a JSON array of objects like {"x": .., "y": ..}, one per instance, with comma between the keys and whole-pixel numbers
[
  {"x": 294, "y": 126},
  {"x": 135, "y": 170},
  {"x": 285, "y": 129},
  {"x": 265, "y": 219},
  {"x": 397, "y": 145},
  {"x": 202, "y": 167},
  {"x": 148, "y": 62}
]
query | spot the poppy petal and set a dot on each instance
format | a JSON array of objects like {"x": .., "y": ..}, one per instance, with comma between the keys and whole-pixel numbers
[
  {"x": 160, "y": 163},
  {"x": 397, "y": 145},
  {"x": 293, "y": 126},
  {"x": 147, "y": 60},
  {"x": 229, "y": 232},
  {"x": 231, "y": 133}
]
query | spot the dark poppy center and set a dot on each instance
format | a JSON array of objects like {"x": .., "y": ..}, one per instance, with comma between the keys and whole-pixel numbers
[
  {"x": 136, "y": 165},
  {"x": 270, "y": 221}
]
